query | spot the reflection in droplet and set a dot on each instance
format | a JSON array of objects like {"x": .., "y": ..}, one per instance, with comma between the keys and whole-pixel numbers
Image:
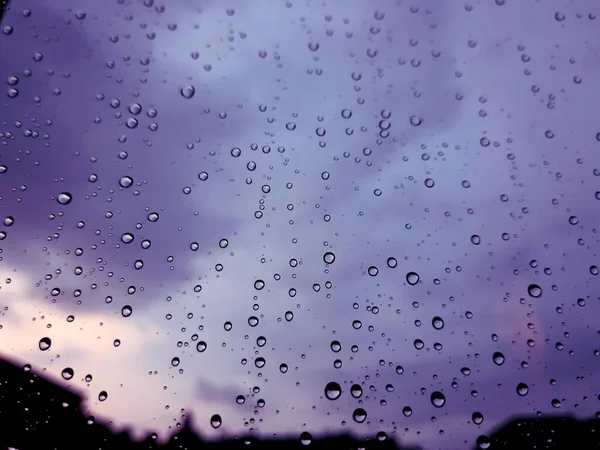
[
  {"x": 359, "y": 415},
  {"x": 329, "y": 258},
  {"x": 201, "y": 346},
  {"x": 188, "y": 91},
  {"x": 522, "y": 389},
  {"x": 126, "y": 181},
  {"x": 127, "y": 238},
  {"x": 412, "y": 278},
  {"x": 67, "y": 373},
  {"x": 45, "y": 343},
  {"x": 356, "y": 390},
  {"x": 305, "y": 438},
  {"x": 333, "y": 390},
  {"x": 64, "y": 198},
  {"x": 498, "y": 358},
  {"x": 534, "y": 290},
  {"x": 438, "y": 399},
  {"x": 216, "y": 421}
]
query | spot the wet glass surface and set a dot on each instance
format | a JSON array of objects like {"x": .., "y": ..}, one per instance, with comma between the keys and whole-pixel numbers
[{"x": 300, "y": 216}]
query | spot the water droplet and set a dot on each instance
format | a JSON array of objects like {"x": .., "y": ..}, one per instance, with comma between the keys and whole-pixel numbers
[
  {"x": 483, "y": 442},
  {"x": 412, "y": 278},
  {"x": 522, "y": 389},
  {"x": 475, "y": 239},
  {"x": 373, "y": 271},
  {"x": 392, "y": 262},
  {"x": 305, "y": 438},
  {"x": 188, "y": 91},
  {"x": 415, "y": 121},
  {"x": 125, "y": 181},
  {"x": 64, "y": 198},
  {"x": 329, "y": 258},
  {"x": 359, "y": 415},
  {"x": 223, "y": 243},
  {"x": 126, "y": 311},
  {"x": 103, "y": 395},
  {"x": 45, "y": 343},
  {"x": 333, "y": 390},
  {"x": 336, "y": 346},
  {"x": 216, "y": 421},
  {"x": 356, "y": 390},
  {"x": 259, "y": 285},
  {"x": 498, "y": 358},
  {"x": 438, "y": 399},
  {"x": 127, "y": 238},
  {"x": 260, "y": 362},
  {"x": 67, "y": 373},
  {"x": 201, "y": 346},
  {"x": 437, "y": 322},
  {"x": 477, "y": 418},
  {"x": 534, "y": 290}
]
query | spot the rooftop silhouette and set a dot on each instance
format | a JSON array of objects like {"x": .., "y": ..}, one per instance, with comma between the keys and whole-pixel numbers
[{"x": 36, "y": 413}]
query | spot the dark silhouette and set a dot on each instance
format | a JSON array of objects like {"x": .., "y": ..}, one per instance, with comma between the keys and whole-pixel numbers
[
  {"x": 3, "y": 8},
  {"x": 553, "y": 432},
  {"x": 37, "y": 414}
]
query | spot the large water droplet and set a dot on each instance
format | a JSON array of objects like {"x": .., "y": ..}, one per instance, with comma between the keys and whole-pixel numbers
[
  {"x": 359, "y": 415},
  {"x": 498, "y": 358},
  {"x": 305, "y": 438},
  {"x": 522, "y": 389},
  {"x": 437, "y": 322},
  {"x": 216, "y": 421},
  {"x": 64, "y": 198},
  {"x": 534, "y": 290},
  {"x": 201, "y": 346},
  {"x": 329, "y": 258},
  {"x": 126, "y": 181},
  {"x": 412, "y": 278},
  {"x": 67, "y": 373},
  {"x": 438, "y": 399},
  {"x": 127, "y": 238},
  {"x": 45, "y": 343},
  {"x": 188, "y": 91},
  {"x": 356, "y": 391},
  {"x": 333, "y": 390}
]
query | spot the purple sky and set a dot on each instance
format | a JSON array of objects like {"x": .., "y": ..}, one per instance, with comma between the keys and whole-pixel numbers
[{"x": 458, "y": 138}]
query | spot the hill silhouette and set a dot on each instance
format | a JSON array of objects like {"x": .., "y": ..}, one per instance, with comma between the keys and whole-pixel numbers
[{"x": 38, "y": 414}]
